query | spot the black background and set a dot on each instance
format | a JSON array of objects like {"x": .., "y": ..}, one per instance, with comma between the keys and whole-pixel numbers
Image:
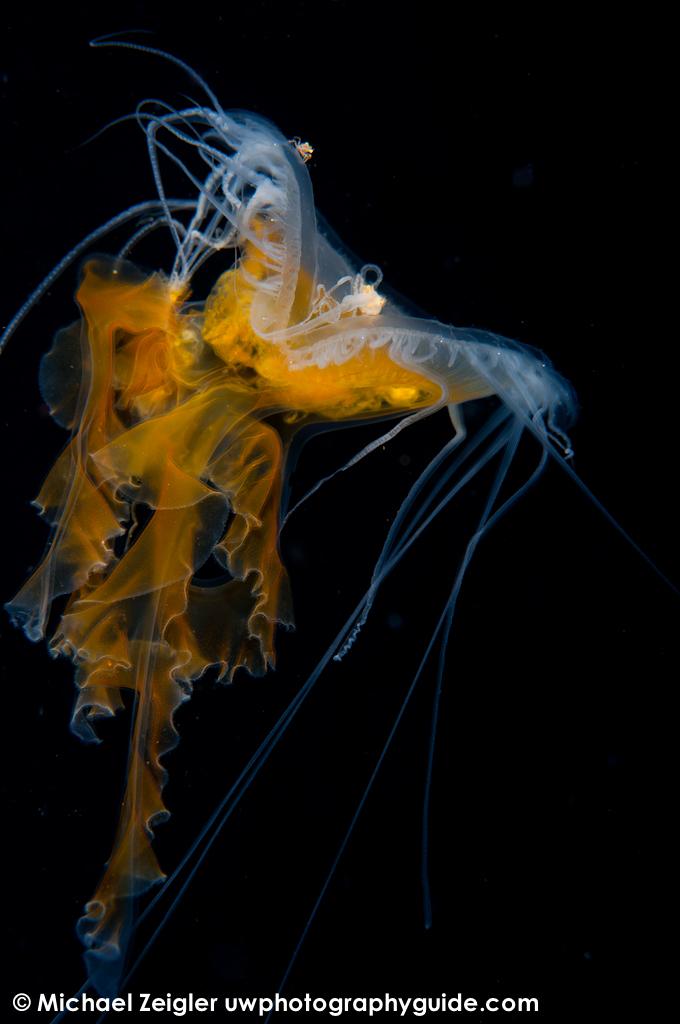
[{"x": 504, "y": 175}]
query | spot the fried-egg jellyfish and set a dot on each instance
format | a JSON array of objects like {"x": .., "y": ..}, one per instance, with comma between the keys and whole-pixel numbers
[{"x": 182, "y": 413}]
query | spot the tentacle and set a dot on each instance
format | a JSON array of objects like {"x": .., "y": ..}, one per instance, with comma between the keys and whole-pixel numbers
[
  {"x": 377, "y": 442},
  {"x": 78, "y": 250},
  {"x": 399, "y": 537},
  {"x": 488, "y": 519}
]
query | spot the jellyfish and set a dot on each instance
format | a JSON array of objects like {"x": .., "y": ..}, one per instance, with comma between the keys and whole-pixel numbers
[{"x": 183, "y": 411}]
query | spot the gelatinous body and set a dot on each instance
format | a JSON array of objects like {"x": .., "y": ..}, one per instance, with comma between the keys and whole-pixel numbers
[{"x": 182, "y": 410}]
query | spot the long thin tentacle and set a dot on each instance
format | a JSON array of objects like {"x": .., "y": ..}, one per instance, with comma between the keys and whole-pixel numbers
[
  {"x": 485, "y": 522},
  {"x": 78, "y": 250},
  {"x": 366, "y": 450},
  {"x": 387, "y": 557},
  {"x": 442, "y": 627}
]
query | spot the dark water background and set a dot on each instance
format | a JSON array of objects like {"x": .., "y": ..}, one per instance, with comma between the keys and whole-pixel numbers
[{"x": 504, "y": 176}]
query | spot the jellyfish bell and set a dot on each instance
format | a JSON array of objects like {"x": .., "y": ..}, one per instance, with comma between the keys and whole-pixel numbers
[{"x": 172, "y": 402}]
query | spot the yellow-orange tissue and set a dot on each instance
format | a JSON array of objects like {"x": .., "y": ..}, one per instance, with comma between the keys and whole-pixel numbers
[{"x": 171, "y": 461}]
